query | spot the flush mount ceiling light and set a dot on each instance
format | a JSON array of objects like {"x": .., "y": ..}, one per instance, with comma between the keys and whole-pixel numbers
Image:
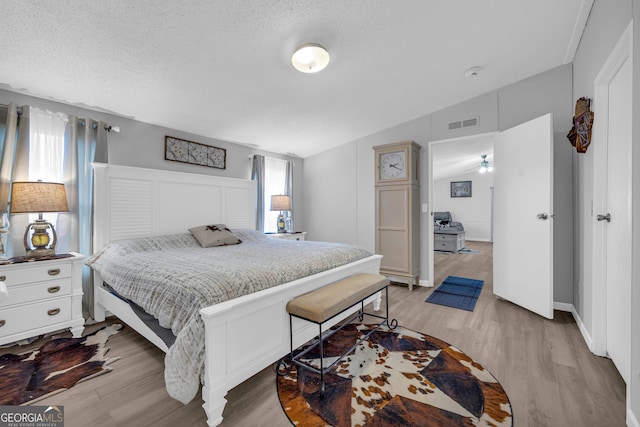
[
  {"x": 484, "y": 165},
  {"x": 310, "y": 58}
]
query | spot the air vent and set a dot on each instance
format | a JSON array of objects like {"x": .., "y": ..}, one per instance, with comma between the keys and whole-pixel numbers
[{"x": 467, "y": 123}]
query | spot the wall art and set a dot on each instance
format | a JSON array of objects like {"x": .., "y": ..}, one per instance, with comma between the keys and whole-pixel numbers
[
  {"x": 460, "y": 188},
  {"x": 181, "y": 150}
]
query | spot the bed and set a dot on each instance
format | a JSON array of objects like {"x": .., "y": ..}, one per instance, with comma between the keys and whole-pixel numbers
[{"x": 241, "y": 336}]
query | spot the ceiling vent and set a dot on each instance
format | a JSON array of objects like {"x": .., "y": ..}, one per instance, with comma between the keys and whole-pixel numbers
[{"x": 462, "y": 124}]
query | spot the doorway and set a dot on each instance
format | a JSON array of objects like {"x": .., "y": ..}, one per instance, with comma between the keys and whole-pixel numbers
[{"x": 458, "y": 160}]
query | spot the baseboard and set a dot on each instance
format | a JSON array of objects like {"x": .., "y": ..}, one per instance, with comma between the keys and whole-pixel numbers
[
  {"x": 632, "y": 420},
  {"x": 563, "y": 306},
  {"x": 583, "y": 329},
  {"x": 425, "y": 283}
]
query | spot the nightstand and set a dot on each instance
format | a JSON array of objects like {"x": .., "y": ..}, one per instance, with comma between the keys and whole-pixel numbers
[
  {"x": 44, "y": 296},
  {"x": 296, "y": 235}
]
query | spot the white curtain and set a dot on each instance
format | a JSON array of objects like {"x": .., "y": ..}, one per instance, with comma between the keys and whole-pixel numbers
[{"x": 46, "y": 155}]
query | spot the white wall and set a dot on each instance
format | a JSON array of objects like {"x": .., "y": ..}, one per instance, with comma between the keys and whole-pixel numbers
[
  {"x": 634, "y": 387},
  {"x": 473, "y": 212}
]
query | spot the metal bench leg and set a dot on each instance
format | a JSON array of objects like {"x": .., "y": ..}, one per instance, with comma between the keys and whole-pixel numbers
[{"x": 321, "y": 363}]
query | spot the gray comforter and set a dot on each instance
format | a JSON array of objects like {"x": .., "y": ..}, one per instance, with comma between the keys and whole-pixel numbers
[{"x": 172, "y": 277}]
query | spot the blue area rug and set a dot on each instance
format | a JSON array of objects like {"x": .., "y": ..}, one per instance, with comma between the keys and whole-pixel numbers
[{"x": 457, "y": 292}]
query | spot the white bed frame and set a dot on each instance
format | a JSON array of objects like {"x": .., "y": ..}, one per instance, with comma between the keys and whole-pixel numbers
[{"x": 243, "y": 335}]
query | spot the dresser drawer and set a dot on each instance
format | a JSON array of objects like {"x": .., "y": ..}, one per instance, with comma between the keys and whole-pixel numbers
[
  {"x": 40, "y": 291},
  {"x": 34, "y": 273},
  {"x": 448, "y": 246},
  {"x": 23, "y": 318},
  {"x": 444, "y": 237}
]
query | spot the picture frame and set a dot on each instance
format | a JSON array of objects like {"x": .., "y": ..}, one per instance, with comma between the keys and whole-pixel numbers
[
  {"x": 460, "y": 188},
  {"x": 184, "y": 151}
]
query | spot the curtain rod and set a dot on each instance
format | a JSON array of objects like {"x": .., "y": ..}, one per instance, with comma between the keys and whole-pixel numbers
[{"x": 108, "y": 128}]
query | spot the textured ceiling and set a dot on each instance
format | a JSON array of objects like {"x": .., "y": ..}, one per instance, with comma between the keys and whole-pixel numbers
[{"x": 222, "y": 68}]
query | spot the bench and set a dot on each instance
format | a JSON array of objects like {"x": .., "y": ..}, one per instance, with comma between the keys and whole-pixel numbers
[{"x": 325, "y": 303}]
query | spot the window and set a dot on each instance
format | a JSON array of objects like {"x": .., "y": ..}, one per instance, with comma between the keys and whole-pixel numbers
[
  {"x": 275, "y": 178},
  {"x": 46, "y": 149}
]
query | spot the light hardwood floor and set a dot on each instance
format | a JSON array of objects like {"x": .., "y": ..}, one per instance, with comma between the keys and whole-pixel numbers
[{"x": 545, "y": 366}]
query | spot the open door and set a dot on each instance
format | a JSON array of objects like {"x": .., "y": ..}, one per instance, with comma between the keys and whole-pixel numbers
[{"x": 523, "y": 219}]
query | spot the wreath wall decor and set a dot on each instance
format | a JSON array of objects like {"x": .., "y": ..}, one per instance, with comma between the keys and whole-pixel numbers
[
  {"x": 580, "y": 134},
  {"x": 181, "y": 150}
]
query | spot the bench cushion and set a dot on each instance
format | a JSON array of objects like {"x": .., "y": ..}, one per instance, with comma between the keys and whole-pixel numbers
[{"x": 324, "y": 303}]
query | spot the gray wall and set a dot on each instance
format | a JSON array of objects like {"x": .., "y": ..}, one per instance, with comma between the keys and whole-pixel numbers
[
  {"x": 142, "y": 145},
  {"x": 497, "y": 110},
  {"x": 607, "y": 22}
]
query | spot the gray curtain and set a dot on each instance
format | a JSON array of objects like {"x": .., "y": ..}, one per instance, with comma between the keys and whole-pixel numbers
[
  {"x": 85, "y": 142},
  {"x": 288, "y": 189},
  {"x": 7, "y": 153},
  {"x": 257, "y": 174},
  {"x": 15, "y": 244}
]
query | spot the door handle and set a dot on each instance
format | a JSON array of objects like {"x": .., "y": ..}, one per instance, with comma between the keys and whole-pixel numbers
[{"x": 606, "y": 217}]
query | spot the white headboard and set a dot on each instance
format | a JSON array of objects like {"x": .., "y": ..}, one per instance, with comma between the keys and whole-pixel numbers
[{"x": 138, "y": 202}]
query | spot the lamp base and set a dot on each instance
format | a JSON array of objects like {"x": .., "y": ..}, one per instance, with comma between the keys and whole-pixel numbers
[
  {"x": 281, "y": 223},
  {"x": 38, "y": 252},
  {"x": 40, "y": 243}
]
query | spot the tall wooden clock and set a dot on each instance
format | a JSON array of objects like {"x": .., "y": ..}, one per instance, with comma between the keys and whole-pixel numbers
[{"x": 398, "y": 210}]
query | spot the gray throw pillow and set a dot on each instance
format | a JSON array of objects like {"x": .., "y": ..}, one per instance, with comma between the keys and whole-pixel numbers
[{"x": 214, "y": 235}]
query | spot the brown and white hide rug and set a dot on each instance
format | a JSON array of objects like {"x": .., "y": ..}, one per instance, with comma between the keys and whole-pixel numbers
[
  {"x": 56, "y": 366},
  {"x": 394, "y": 378}
]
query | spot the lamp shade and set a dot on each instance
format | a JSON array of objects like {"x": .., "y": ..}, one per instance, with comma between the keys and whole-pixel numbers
[
  {"x": 280, "y": 203},
  {"x": 37, "y": 197}
]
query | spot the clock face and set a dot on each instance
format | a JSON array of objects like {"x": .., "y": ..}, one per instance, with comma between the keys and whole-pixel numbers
[{"x": 392, "y": 165}]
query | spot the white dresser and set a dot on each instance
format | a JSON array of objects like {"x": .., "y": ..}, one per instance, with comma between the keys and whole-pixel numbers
[
  {"x": 43, "y": 296},
  {"x": 447, "y": 242}
]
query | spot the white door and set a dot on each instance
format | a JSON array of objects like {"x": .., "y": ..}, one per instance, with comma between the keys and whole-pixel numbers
[
  {"x": 618, "y": 229},
  {"x": 523, "y": 225}
]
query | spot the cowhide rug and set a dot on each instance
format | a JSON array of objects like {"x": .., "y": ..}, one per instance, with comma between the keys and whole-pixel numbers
[
  {"x": 56, "y": 366},
  {"x": 395, "y": 378}
]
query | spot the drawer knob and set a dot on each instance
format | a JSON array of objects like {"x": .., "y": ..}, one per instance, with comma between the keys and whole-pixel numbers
[
  {"x": 53, "y": 289},
  {"x": 54, "y": 272},
  {"x": 2, "y": 322},
  {"x": 3, "y": 278},
  {"x": 53, "y": 311}
]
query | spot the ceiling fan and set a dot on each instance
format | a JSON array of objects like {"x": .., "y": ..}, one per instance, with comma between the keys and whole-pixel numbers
[{"x": 484, "y": 165}]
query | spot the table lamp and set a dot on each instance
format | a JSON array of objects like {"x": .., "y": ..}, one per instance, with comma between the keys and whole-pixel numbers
[
  {"x": 39, "y": 197},
  {"x": 280, "y": 203}
]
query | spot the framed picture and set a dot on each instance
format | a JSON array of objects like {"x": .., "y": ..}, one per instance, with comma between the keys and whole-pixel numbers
[
  {"x": 181, "y": 150},
  {"x": 460, "y": 188}
]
